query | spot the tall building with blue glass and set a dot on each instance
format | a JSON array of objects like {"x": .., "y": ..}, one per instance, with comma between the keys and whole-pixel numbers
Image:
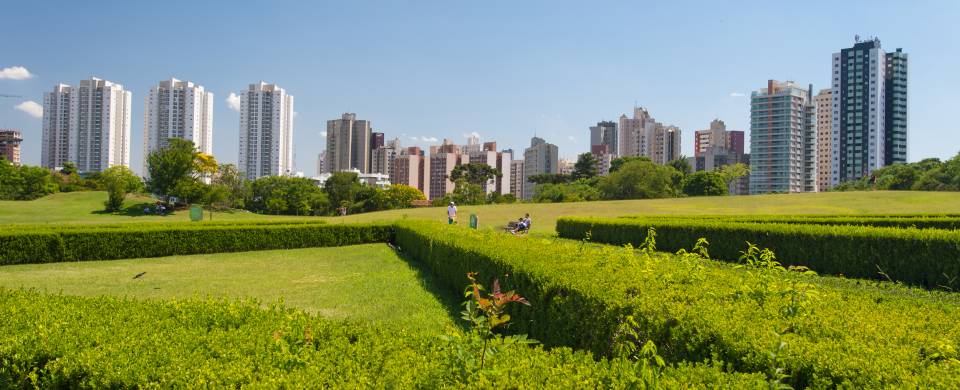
[{"x": 869, "y": 121}]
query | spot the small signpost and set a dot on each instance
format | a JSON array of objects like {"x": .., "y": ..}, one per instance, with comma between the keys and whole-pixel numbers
[
  {"x": 474, "y": 221},
  {"x": 196, "y": 213}
]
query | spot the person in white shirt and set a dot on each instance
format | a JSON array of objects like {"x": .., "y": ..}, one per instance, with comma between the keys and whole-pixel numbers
[{"x": 451, "y": 213}]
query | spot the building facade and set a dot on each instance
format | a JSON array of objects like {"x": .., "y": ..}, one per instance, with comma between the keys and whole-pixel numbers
[
  {"x": 824, "y": 102},
  {"x": 516, "y": 178},
  {"x": 861, "y": 108},
  {"x": 441, "y": 165},
  {"x": 348, "y": 144},
  {"x": 717, "y": 136},
  {"x": 266, "y": 131},
  {"x": 412, "y": 168},
  {"x": 10, "y": 145},
  {"x": 541, "y": 157},
  {"x": 782, "y": 119},
  {"x": 177, "y": 109},
  {"x": 55, "y": 142},
  {"x": 605, "y": 133},
  {"x": 99, "y": 134},
  {"x": 645, "y": 137},
  {"x": 382, "y": 159},
  {"x": 489, "y": 156}
]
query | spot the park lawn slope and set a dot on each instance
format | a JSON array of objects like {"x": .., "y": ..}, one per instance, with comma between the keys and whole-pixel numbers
[{"x": 366, "y": 283}]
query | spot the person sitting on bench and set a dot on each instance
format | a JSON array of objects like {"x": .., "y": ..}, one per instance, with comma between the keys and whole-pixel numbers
[{"x": 523, "y": 225}]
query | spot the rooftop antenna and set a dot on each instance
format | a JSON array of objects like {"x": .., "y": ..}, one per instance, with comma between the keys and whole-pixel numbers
[{"x": 856, "y": 38}]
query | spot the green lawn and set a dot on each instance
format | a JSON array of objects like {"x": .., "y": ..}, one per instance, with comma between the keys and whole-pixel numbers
[
  {"x": 367, "y": 283},
  {"x": 85, "y": 207}
]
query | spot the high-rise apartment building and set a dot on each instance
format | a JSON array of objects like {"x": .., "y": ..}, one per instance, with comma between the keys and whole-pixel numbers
[
  {"x": 824, "y": 102},
  {"x": 177, "y": 109},
  {"x": 99, "y": 133},
  {"x": 895, "y": 109},
  {"x": 412, "y": 168},
  {"x": 643, "y": 136},
  {"x": 516, "y": 178},
  {"x": 376, "y": 140},
  {"x": 718, "y": 137},
  {"x": 489, "y": 156},
  {"x": 321, "y": 159},
  {"x": 55, "y": 142},
  {"x": 782, "y": 126},
  {"x": 383, "y": 157},
  {"x": 348, "y": 144},
  {"x": 541, "y": 157},
  {"x": 266, "y": 131},
  {"x": 605, "y": 133},
  {"x": 10, "y": 145},
  {"x": 448, "y": 156},
  {"x": 861, "y": 109}
]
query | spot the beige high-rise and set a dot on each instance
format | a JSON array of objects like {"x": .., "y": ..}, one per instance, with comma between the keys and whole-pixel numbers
[{"x": 823, "y": 100}]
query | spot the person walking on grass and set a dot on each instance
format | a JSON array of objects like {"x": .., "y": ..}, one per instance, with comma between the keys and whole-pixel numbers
[{"x": 451, "y": 214}]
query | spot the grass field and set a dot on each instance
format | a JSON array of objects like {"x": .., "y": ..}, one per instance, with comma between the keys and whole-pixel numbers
[
  {"x": 84, "y": 208},
  {"x": 367, "y": 283}
]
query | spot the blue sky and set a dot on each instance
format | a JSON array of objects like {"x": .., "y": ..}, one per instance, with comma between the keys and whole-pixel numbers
[{"x": 503, "y": 69}]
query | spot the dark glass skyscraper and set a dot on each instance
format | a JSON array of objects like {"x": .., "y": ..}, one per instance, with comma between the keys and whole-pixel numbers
[{"x": 895, "y": 132}]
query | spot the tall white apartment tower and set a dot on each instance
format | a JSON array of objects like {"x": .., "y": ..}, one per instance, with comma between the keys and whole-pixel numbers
[
  {"x": 177, "y": 109},
  {"x": 56, "y": 127},
  {"x": 99, "y": 125},
  {"x": 266, "y": 131}
]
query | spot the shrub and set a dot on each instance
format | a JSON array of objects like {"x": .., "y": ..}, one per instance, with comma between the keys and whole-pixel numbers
[
  {"x": 51, "y": 341},
  {"x": 125, "y": 242},
  {"x": 922, "y": 257},
  {"x": 819, "y": 331}
]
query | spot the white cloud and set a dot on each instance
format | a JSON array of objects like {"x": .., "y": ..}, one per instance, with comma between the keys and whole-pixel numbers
[
  {"x": 15, "y": 73},
  {"x": 233, "y": 101},
  {"x": 737, "y": 94},
  {"x": 323, "y": 133},
  {"x": 571, "y": 138},
  {"x": 414, "y": 138},
  {"x": 30, "y": 107},
  {"x": 429, "y": 139},
  {"x": 471, "y": 134}
]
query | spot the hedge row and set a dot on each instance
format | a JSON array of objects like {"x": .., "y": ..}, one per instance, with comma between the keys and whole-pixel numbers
[
  {"x": 929, "y": 258},
  {"x": 946, "y": 222},
  {"x": 49, "y": 341},
  {"x": 156, "y": 225},
  {"x": 47, "y": 246},
  {"x": 848, "y": 334}
]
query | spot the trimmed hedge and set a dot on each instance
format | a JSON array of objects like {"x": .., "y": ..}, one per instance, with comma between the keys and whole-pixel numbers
[
  {"x": 45, "y": 246},
  {"x": 52, "y": 341},
  {"x": 929, "y": 258},
  {"x": 946, "y": 222},
  {"x": 853, "y": 334}
]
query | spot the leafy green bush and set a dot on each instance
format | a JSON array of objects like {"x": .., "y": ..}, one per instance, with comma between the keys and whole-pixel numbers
[
  {"x": 51, "y": 341},
  {"x": 125, "y": 242},
  {"x": 921, "y": 257},
  {"x": 919, "y": 221},
  {"x": 819, "y": 331}
]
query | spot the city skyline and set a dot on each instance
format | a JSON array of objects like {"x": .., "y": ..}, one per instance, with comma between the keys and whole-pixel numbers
[{"x": 504, "y": 100}]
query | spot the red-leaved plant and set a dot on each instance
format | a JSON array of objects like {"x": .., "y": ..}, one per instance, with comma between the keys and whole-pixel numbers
[{"x": 486, "y": 312}]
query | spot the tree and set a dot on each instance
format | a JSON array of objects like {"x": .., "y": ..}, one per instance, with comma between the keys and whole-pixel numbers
[
  {"x": 119, "y": 181},
  {"x": 733, "y": 172},
  {"x": 586, "y": 166},
  {"x": 236, "y": 186},
  {"x": 681, "y": 164},
  {"x": 551, "y": 178},
  {"x": 896, "y": 177},
  {"x": 468, "y": 193},
  {"x": 704, "y": 183},
  {"x": 68, "y": 168},
  {"x": 287, "y": 195},
  {"x": 618, "y": 162},
  {"x": 170, "y": 166},
  {"x": 638, "y": 179},
  {"x": 398, "y": 196},
  {"x": 577, "y": 191},
  {"x": 342, "y": 187},
  {"x": 474, "y": 173},
  {"x": 25, "y": 182}
]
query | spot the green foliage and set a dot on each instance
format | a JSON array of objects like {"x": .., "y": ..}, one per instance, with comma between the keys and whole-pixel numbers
[
  {"x": 927, "y": 175},
  {"x": 465, "y": 193},
  {"x": 172, "y": 167},
  {"x": 911, "y": 256},
  {"x": 231, "y": 188},
  {"x": 55, "y": 341},
  {"x": 287, "y": 195},
  {"x": 486, "y": 313},
  {"x": 619, "y": 162},
  {"x": 397, "y": 196},
  {"x": 550, "y": 178},
  {"x": 127, "y": 242},
  {"x": 586, "y": 167},
  {"x": 863, "y": 334},
  {"x": 342, "y": 188},
  {"x": 577, "y": 191},
  {"x": 119, "y": 181},
  {"x": 681, "y": 164},
  {"x": 639, "y": 179},
  {"x": 474, "y": 173},
  {"x": 704, "y": 183},
  {"x": 24, "y": 182}
]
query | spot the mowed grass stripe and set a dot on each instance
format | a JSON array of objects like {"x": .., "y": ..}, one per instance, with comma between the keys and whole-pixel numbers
[{"x": 367, "y": 283}]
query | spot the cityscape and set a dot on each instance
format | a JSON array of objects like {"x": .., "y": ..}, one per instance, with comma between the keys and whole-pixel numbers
[{"x": 799, "y": 140}]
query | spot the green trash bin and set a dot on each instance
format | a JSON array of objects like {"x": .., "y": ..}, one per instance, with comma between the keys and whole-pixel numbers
[
  {"x": 474, "y": 221},
  {"x": 196, "y": 213}
]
